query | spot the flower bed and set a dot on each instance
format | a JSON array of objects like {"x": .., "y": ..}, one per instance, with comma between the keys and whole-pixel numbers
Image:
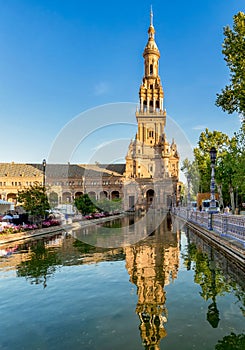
[
  {"x": 52, "y": 222},
  {"x": 11, "y": 229}
]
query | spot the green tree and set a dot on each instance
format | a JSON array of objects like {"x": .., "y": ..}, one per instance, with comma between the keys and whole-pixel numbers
[
  {"x": 191, "y": 169},
  {"x": 232, "y": 97},
  {"x": 53, "y": 199},
  {"x": 109, "y": 205},
  {"x": 35, "y": 201},
  {"x": 239, "y": 176},
  {"x": 84, "y": 204},
  {"x": 207, "y": 140},
  {"x": 230, "y": 165},
  {"x": 226, "y": 170},
  {"x": 230, "y": 169}
]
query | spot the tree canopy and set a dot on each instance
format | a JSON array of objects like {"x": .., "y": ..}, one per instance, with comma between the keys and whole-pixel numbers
[
  {"x": 87, "y": 206},
  {"x": 207, "y": 140},
  {"x": 230, "y": 165},
  {"x": 232, "y": 97},
  {"x": 84, "y": 204},
  {"x": 34, "y": 200}
]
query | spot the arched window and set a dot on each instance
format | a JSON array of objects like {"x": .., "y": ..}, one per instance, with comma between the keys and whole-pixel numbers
[
  {"x": 151, "y": 69},
  {"x": 150, "y": 133}
]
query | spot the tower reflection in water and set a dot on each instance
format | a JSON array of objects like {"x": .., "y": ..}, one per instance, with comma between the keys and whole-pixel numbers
[{"x": 152, "y": 264}]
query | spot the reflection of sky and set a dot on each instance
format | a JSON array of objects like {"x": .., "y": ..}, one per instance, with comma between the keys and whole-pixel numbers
[{"x": 93, "y": 306}]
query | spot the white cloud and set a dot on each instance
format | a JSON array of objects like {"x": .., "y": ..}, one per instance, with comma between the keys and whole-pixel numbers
[
  {"x": 101, "y": 145},
  {"x": 199, "y": 127}
]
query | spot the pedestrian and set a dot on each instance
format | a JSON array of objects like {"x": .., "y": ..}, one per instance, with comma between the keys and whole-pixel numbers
[{"x": 227, "y": 210}]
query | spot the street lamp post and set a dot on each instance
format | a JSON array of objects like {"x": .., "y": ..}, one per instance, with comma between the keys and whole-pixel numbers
[
  {"x": 44, "y": 171},
  {"x": 212, "y": 208},
  {"x": 188, "y": 194},
  {"x": 179, "y": 199}
]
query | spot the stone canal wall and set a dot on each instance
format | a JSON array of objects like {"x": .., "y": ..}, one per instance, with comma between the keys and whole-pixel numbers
[{"x": 230, "y": 246}]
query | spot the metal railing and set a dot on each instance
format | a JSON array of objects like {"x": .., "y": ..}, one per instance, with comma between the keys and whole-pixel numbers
[{"x": 232, "y": 226}]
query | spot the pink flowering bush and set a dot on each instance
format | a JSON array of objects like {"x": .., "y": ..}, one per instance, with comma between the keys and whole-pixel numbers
[
  {"x": 52, "y": 222},
  {"x": 10, "y": 228}
]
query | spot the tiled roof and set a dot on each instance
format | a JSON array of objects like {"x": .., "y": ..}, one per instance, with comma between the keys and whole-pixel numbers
[
  {"x": 61, "y": 170},
  {"x": 110, "y": 169},
  {"x": 115, "y": 168},
  {"x": 16, "y": 170}
]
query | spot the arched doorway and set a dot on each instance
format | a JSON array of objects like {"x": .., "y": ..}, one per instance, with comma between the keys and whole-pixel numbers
[
  {"x": 78, "y": 194},
  {"x": 149, "y": 198},
  {"x": 115, "y": 194},
  {"x": 66, "y": 197},
  {"x": 103, "y": 195},
  {"x": 12, "y": 197},
  {"x": 92, "y": 195}
]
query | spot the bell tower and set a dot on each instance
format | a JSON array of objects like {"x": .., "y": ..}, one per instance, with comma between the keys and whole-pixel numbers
[
  {"x": 149, "y": 154},
  {"x": 151, "y": 161},
  {"x": 151, "y": 91}
]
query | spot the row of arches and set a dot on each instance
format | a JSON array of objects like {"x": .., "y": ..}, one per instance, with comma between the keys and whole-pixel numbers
[{"x": 68, "y": 197}]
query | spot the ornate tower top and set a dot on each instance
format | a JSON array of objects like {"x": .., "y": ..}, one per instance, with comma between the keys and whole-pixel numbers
[
  {"x": 151, "y": 91},
  {"x": 151, "y": 46}
]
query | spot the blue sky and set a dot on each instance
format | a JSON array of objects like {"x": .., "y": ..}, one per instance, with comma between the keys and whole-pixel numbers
[{"x": 61, "y": 58}]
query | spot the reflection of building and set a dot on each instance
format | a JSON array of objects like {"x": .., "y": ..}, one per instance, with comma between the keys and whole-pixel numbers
[
  {"x": 151, "y": 264},
  {"x": 149, "y": 177}
]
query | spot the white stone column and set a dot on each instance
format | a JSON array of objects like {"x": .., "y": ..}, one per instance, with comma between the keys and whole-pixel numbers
[
  {"x": 141, "y": 104},
  {"x": 154, "y": 103},
  {"x": 161, "y": 104}
]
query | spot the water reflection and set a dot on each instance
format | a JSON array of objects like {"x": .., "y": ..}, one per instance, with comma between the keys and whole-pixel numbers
[
  {"x": 152, "y": 264},
  {"x": 231, "y": 342},
  {"x": 211, "y": 273},
  {"x": 121, "y": 232},
  {"x": 41, "y": 264}
]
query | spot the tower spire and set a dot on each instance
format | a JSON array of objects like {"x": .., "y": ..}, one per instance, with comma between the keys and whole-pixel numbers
[{"x": 151, "y": 17}]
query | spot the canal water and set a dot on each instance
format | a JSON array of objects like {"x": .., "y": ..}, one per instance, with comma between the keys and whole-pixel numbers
[{"x": 169, "y": 290}]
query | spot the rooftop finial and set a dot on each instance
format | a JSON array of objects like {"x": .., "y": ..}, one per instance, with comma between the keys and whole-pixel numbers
[{"x": 151, "y": 17}]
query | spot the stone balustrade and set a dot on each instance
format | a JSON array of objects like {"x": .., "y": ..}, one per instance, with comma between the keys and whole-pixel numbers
[{"x": 232, "y": 226}]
